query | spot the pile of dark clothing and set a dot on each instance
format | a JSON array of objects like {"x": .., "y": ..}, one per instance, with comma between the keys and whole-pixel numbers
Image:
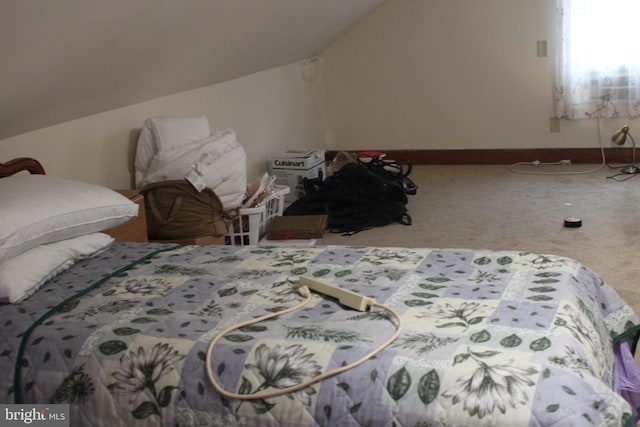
[{"x": 359, "y": 196}]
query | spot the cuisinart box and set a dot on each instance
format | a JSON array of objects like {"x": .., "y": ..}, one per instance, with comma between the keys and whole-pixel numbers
[{"x": 293, "y": 166}]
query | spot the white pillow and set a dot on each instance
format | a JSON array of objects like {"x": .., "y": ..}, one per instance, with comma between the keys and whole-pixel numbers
[
  {"x": 172, "y": 132},
  {"x": 24, "y": 274},
  {"x": 166, "y": 133},
  {"x": 40, "y": 209}
]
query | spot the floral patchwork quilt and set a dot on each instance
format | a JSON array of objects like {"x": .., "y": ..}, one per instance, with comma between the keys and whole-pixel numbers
[{"x": 488, "y": 338}]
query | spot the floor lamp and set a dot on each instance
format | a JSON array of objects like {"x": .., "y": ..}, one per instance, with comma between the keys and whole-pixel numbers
[{"x": 619, "y": 138}]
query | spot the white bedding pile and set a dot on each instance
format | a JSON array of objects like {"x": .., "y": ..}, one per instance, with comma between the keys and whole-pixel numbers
[
  {"x": 24, "y": 274},
  {"x": 47, "y": 223},
  {"x": 185, "y": 148}
]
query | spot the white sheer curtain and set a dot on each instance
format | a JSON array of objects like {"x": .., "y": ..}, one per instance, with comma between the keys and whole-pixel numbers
[{"x": 598, "y": 59}]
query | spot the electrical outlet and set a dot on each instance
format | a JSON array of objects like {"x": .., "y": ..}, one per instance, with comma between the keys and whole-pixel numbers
[
  {"x": 541, "y": 46},
  {"x": 554, "y": 125}
]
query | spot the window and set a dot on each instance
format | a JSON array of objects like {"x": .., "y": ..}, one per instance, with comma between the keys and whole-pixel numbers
[{"x": 598, "y": 61}]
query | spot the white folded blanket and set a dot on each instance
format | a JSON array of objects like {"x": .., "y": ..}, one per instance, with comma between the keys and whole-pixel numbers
[{"x": 217, "y": 162}]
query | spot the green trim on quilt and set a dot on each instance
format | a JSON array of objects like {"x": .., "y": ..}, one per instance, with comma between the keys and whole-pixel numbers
[
  {"x": 25, "y": 337},
  {"x": 632, "y": 420},
  {"x": 635, "y": 335},
  {"x": 633, "y": 330}
]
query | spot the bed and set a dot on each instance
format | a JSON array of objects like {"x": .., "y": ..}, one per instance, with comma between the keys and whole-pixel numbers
[{"x": 122, "y": 335}]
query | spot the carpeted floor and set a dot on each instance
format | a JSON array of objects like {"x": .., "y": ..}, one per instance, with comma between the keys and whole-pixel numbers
[{"x": 490, "y": 207}]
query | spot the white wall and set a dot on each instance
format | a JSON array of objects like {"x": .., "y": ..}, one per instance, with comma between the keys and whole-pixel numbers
[
  {"x": 270, "y": 111},
  {"x": 414, "y": 74},
  {"x": 458, "y": 74}
]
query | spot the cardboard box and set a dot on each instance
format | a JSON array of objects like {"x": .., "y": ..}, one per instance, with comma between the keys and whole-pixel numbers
[
  {"x": 292, "y": 167},
  {"x": 297, "y": 227}
]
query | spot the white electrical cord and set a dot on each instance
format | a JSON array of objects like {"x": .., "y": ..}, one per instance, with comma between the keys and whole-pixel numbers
[
  {"x": 562, "y": 162},
  {"x": 304, "y": 292}
]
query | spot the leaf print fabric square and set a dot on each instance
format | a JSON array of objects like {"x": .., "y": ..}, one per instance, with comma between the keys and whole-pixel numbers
[
  {"x": 395, "y": 257},
  {"x": 452, "y": 264},
  {"x": 147, "y": 286},
  {"x": 530, "y": 261},
  {"x": 490, "y": 286},
  {"x": 409, "y": 384},
  {"x": 558, "y": 399},
  {"x": 453, "y": 316},
  {"x": 340, "y": 256},
  {"x": 524, "y": 314},
  {"x": 276, "y": 365},
  {"x": 489, "y": 384},
  {"x": 147, "y": 373},
  {"x": 277, "y": 258}
]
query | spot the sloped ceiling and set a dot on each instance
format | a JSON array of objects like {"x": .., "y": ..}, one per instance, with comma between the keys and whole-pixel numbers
[{"x": 66, "y": 59}]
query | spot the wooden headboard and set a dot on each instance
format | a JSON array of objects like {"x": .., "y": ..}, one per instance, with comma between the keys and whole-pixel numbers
[{"x": 21, "y": 164}]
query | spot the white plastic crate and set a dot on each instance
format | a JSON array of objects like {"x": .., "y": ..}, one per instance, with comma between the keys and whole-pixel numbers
[{"x": 250, "y": 224}]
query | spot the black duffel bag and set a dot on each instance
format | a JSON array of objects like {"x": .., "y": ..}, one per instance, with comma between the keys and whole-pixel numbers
[
  {"x": 396, "y": 170},
  {"x": 354, "y": 199}
]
